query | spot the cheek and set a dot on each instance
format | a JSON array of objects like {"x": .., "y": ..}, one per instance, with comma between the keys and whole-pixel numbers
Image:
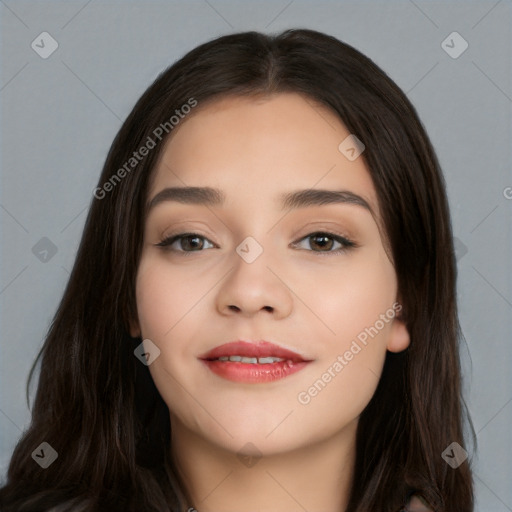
[
  {"x": 164, "y": 299},
  {"x": 352, "y": 295},
  {"x": 163, "y": 296},
  {"x": 356, "y": 306}
]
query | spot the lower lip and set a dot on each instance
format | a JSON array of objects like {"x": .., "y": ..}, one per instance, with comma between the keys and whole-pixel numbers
[{"x": 253, "y": 373}]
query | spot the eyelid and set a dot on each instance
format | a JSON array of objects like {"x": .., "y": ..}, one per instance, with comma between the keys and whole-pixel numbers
[
  {"x": 173, "y": 237},
  {"x": 346, "y": 242}
]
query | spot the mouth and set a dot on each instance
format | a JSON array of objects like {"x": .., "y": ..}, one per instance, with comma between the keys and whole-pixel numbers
[{"x": 241, "y": 361}]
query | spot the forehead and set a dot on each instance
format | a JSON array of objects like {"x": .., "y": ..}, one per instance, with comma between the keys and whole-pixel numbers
[{"x": 259, "y": 147}]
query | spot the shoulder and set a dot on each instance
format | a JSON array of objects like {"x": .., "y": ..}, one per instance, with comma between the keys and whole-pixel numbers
[{"x": 416, "y": 504}]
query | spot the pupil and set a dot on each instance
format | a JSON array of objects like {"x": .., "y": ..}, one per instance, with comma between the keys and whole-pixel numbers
[
  {"x": 324, "y": 238},
  {"x": 193, "y": 246},
  {"x": 325, "y": 241}
]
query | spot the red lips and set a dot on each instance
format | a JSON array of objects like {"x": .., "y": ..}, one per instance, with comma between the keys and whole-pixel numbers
[
  {"x": 258, "y": 371},
  {"x": 245, "y": 349}
]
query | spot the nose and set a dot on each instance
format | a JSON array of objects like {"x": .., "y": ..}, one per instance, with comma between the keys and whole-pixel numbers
[{"x": 251, "y": 288}]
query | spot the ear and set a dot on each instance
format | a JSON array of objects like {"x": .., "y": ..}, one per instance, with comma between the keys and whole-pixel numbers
[
  {"x": 134, "y": 328},
  {"x": 399, "y": 338}
]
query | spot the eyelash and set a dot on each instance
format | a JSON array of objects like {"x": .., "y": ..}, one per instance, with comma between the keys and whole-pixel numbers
[{"x": 347, "y": 244}]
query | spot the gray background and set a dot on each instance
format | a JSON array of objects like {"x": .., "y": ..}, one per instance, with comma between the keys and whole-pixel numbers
[{"x": 59, "y": 116}]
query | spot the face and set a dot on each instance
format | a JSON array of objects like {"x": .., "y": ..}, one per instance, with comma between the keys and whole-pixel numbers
[{"x": 310, "y": 278}]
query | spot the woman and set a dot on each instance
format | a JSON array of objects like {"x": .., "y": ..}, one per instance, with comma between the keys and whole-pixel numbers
[{"x": 262, "y": 311}]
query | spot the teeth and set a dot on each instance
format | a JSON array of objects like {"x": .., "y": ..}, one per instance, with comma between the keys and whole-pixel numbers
[
  {"x": 268, "y": 360},
  {"x": 253, "y": 360}
]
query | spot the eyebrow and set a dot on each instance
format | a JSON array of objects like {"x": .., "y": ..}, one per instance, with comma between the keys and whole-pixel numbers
[{"x": 209, "y": 196}]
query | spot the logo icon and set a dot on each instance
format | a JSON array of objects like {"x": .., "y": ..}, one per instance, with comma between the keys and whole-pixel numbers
[
  {"x": 44, "y": 455},
  {"x": 454, "y": 45},
  {"x": 351, "y": 147},
  {"x": 249, "y": 249},
  {"x": 460, "y": 249},
  {"x": 454, "y": 455},
  {"x": 44, "y": 250},
  {"x": 44, "y": 45},
  {"x": 147, "y": 352},
  {"x": 249, "y": 455}
]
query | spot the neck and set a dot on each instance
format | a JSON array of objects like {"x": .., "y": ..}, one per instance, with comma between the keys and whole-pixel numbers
[{"x": 314, "y": 477}]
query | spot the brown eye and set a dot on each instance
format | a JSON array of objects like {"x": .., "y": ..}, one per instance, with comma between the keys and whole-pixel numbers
[
  {"x": 323, "y": 242},
  {"x": 186, "y": 242},
  {"x": 191, "y": 243}
]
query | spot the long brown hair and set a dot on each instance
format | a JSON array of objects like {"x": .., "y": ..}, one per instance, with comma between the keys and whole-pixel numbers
[{"x": 96, "y": 404}]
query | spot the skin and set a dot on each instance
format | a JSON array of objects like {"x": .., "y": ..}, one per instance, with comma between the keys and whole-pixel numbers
[{"x": 300, "y": 296}]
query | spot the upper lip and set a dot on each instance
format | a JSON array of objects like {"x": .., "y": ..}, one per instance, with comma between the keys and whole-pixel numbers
[{"x": 252, "y": 349}]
